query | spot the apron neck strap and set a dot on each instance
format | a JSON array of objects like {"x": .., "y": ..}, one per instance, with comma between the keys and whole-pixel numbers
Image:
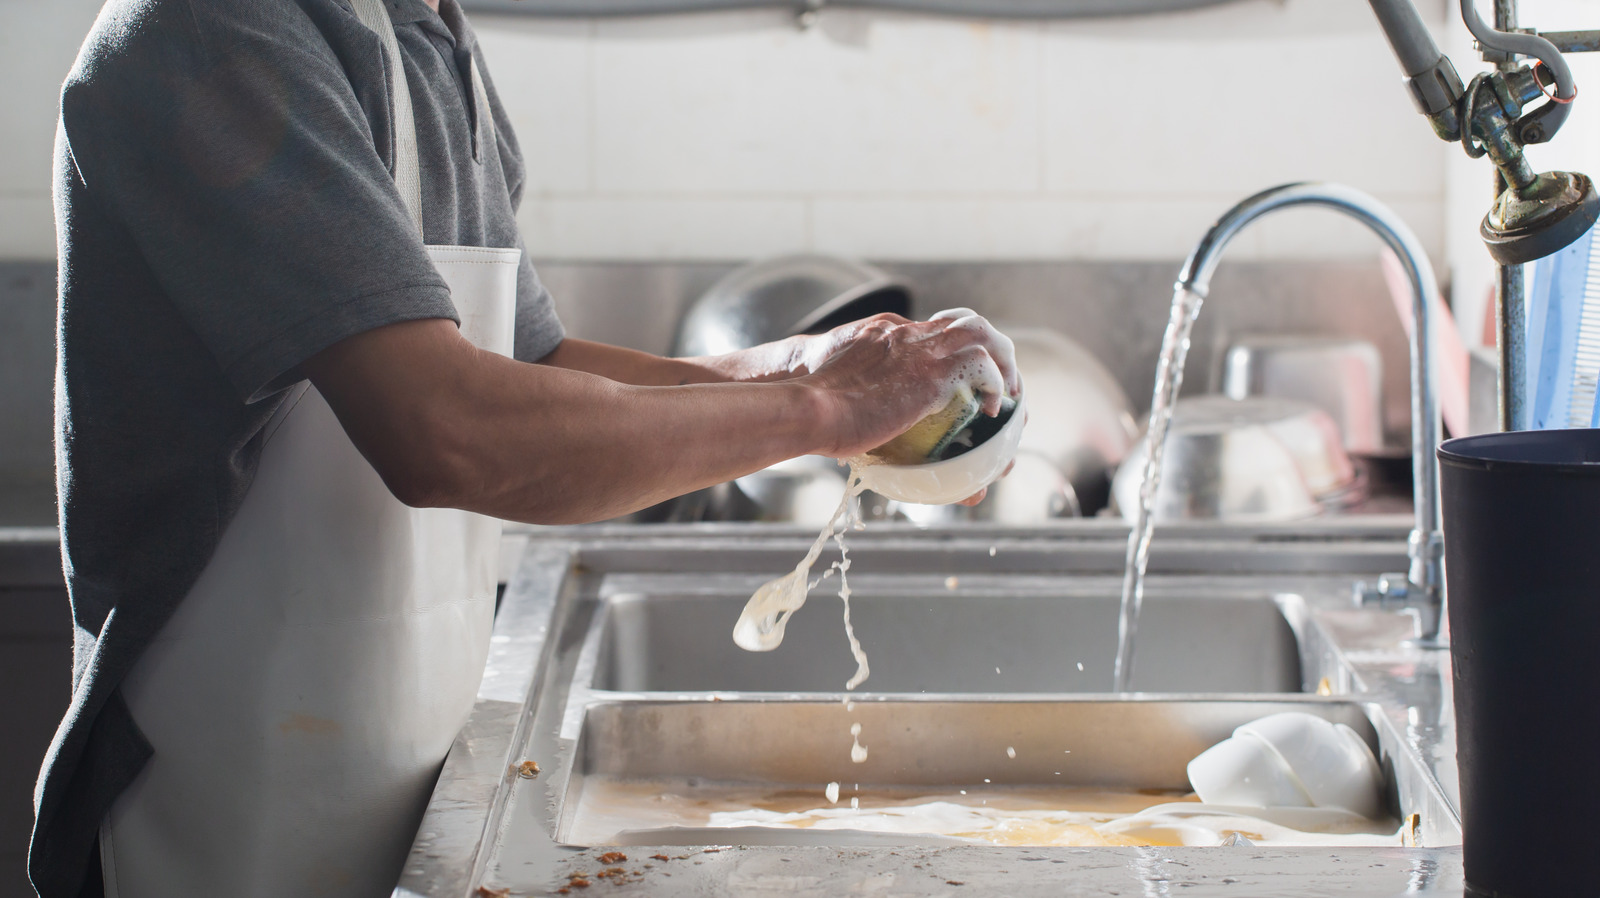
[
  {"x": 407, "y": 172},
  {"x": 480, "y": 99}
]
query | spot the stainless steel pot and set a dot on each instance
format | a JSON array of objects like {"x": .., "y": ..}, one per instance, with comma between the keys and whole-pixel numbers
[
  {"x": 1250, "y": 460},
  {"x": 1343, "y": 376},
  {"x": 1079, "y": 418},
  {"x": 804, "y": 490},
  {"x": 775, "y": 298},
  {"x": 768, "y": 300}
]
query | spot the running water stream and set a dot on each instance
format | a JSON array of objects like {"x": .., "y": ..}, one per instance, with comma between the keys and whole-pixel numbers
[{"x": 1169, "y": 378}]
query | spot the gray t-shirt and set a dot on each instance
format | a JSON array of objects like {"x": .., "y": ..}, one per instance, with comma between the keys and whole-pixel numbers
[{"x": 225, "y": 210}]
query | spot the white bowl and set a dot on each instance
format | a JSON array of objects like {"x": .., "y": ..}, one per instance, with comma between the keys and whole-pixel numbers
[
  {"x": 1291, "y": 759},
  {"x": 1332, "y": 762},
  {"x": 1243, "y": 770},
  {"x": 954, "y": 479},
  {"x": 1034, "y": 493}
]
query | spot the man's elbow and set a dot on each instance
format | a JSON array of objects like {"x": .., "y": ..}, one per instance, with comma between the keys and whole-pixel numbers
[
  {"x": 421, "y": 490},
  {"x": 442, "y": 471},
  {"x": 428, "y": 469},
  {"x": 436, "y": 461},
  {"x": 424, "y": 487}
]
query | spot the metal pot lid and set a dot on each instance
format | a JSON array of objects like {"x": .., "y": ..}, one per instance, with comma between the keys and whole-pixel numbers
[{"x": 775, "y": 298}]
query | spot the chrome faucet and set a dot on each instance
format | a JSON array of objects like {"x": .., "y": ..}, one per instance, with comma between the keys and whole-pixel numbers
[{"x": 1419, "y": 591}]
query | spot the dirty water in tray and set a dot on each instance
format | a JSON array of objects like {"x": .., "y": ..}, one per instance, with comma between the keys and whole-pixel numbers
[
  {"x": 693, "y": 812},
  {"x": 1015, "y": 772}
]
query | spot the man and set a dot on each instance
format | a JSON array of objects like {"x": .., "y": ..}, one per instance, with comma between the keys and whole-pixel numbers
[{"x": 253, "y": 195}]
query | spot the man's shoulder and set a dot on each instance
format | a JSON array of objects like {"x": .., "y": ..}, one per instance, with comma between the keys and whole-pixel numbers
[{"x": 131, "y": 37}]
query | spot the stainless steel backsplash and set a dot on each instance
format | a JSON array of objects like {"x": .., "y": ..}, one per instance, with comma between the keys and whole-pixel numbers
[
  {"x": 1115, "y": 309},
  {"x": 27, "y": 375}
]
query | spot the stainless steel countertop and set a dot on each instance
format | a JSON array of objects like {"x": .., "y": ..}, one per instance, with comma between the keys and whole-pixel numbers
[{"x": 480, "y": 805}]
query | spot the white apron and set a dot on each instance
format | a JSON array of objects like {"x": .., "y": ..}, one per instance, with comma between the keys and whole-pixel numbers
[{"x": 303, "y": 697}]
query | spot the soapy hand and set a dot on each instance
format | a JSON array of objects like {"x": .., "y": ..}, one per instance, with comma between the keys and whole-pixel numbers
[{"x": 883, "y": 374}]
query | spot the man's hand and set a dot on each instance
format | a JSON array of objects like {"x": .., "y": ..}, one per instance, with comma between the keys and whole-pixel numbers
[{"x": 883, "y": 374}]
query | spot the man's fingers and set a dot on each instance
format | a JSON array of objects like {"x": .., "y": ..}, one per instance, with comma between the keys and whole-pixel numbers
[
  {"x": 974, "y": 365},
  {"x": 975, "y": 498},
  {"x": 966, "y": 326},
  {"x": 953, "y": 315}
]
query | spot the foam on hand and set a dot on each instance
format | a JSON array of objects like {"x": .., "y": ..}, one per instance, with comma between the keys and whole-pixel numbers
[
  {"x": 979, "y": 374},
  {"x": 999, "y": 355}
]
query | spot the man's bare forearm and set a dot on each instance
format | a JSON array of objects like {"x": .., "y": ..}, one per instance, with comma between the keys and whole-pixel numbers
[
  {"x": 595, "y": 431},
  {"x": 459, "y": 427},
  {"x": 769, "y": 362}
]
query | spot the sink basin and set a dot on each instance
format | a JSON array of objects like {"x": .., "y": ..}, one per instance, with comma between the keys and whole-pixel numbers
[
  {"x": 695, "y": 753},
  {"x": 613, "y": 669},
  {"x": 1040, "y": 641}
]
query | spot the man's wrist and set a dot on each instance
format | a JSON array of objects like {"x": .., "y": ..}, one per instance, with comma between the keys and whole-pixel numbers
[{"x": 815, "y": 417}]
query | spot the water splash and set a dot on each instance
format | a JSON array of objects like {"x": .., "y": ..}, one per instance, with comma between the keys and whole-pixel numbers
[
  {"x": 852, "y": 522},
  {"x": 1169, "y": 379},
  {"x": 761, "y": 624}
]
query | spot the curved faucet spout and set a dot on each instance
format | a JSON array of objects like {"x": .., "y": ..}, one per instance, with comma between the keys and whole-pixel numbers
[{"x": 1421, "y": 590}]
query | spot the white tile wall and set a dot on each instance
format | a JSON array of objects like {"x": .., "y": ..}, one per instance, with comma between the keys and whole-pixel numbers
[
  {"x": 542, "y": 72},
  {"x": 660, "y": 227},
  {"x": 722, "y": 136},
  {"x": 747, "y": 103},
  {"x": 1222, "y": 103},
  {"x": 1046, "y": 226},
  {"x": 38, "y": 42},
  {"x": 898, "y": 136},
  {"x": 27, "y": 229}
]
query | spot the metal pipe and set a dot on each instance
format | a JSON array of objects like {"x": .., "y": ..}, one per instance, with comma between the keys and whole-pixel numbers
[
  {"x": 1408, "y": 36},
  {"x": 988, "y": 9},
  {"x": 1573, "y": 41},
  {"x": 1508, "y": 43},
  {"x": 1510, "y": 293},
  {"x": 1423, "y": 588},
  {"x": 1435, "y": 86}
]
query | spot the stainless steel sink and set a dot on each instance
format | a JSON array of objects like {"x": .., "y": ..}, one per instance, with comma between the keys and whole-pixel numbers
[
  {"x": 700, "y": 750},
  {"x": 951, "y": 641},
  {"x": 613, "y": 662}
]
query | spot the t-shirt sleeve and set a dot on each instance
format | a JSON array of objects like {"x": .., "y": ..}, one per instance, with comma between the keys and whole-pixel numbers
[
  {"x": 538, "y": 329},
  {"x": 245, "y": 170}
]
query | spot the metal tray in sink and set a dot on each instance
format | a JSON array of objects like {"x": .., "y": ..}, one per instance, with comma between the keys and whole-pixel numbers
[{"x": 706, "y": 752}]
